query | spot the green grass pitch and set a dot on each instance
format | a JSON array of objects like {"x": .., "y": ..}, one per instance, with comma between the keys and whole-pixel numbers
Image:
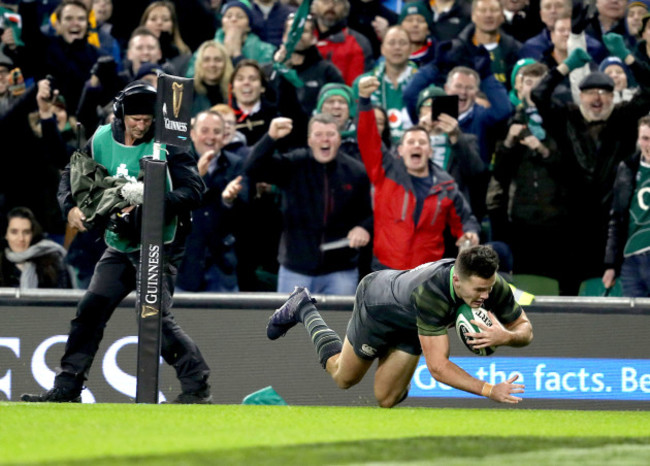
[{"x": 119, "y": 434}]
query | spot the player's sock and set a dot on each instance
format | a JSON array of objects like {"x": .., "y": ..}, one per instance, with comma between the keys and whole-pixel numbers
[{"x": 326, "y": 340}]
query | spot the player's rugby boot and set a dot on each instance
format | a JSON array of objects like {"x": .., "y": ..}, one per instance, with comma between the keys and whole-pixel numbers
[
  {"x": 287, "y": 316},
  {"x": 54, "y": 395}
]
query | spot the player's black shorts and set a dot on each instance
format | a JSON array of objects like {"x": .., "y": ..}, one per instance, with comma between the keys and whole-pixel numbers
[{"x": 378, "y": 325}]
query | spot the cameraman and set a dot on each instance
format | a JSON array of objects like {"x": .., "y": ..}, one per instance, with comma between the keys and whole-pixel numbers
[
  {"x": 528, "y": 167},
  {"x": 119, "y": 148}
]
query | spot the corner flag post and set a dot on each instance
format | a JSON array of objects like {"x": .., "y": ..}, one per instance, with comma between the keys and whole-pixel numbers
[{"x": 172, "y": 128}]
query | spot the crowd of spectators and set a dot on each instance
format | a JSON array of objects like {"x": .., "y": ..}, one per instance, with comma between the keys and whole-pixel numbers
[{"x": 325, "y": 154}]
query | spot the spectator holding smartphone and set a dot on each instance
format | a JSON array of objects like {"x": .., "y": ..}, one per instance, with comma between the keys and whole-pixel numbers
[
  {"x": 529, "y": 168},
  {"x": 452, "y": 150}
]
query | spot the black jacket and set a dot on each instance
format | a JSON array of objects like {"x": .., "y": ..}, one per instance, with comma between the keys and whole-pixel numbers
[
  {"x": 320, "y": 203},
  {"x": 361, "y": 16},
  {"x": 450, "y": 23},
  {"x": 619, "y": 215},
  {"x": 30, "y": 165},
  {"x": 213, "y": 227},
  {"x": 534, "y": 185},
  {"x": 68, "y": 63},
  {"x": 592, "y": 160},
  {"x": 315, "y": 72},
  {"x": 470, "y": 172}
]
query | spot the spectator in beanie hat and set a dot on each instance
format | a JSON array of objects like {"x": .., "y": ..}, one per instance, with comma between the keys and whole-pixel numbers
[
  {"x": 237, "y": 34},
  {"x": 452, "y": 150},
  {"x": 624, "y": 84},
  {"x": 636, "y": 10},
  {"x": 338, "y": 101},
  {"x": 515, "y": 79},
  {"x": 416, "y": 17}
]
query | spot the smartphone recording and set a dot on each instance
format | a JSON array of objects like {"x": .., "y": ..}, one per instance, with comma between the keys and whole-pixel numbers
[{"x": 447, "y": 104}]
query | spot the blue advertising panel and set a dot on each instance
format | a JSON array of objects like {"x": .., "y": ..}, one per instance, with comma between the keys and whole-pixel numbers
[{"x": 548, "y": 377}]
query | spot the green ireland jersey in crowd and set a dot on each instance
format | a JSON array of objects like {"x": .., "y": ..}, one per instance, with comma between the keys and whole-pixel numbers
[
  {"x": 390, "y": 98},
  {"x": 639, "y": 227}
]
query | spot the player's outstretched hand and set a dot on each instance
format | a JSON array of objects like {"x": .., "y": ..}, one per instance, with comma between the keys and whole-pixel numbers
[{"x": 504, "y": 392}]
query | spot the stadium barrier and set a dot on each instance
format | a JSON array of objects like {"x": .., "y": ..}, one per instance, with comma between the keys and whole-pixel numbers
[{"x": 588, "y": 353}]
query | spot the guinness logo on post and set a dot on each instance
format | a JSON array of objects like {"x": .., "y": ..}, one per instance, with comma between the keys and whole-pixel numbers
[
  {"x": 148, "y": 311},
  {"x": 177, "y": 98}
]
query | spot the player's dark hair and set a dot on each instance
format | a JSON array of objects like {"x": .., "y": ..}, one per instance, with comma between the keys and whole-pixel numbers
[{"x": 482, "y": 261}]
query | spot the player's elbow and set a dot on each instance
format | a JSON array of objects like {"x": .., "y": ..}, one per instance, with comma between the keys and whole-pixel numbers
[
  {"x": 437, "y": 371},
  {"x": 529, "y": 338},
  {"x": 523, "y": 338}
]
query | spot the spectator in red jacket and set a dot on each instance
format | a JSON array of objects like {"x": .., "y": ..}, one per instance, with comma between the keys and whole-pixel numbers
[
  {"x": 414, "y": 200},
  {"x": 349, "y": 50}
]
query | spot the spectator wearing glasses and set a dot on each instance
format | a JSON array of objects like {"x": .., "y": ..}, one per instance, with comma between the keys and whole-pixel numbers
[{"x": 594, "y": 137}]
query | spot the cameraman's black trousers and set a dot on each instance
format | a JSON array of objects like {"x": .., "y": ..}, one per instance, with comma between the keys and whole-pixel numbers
[{"x": 114, "y": 278}]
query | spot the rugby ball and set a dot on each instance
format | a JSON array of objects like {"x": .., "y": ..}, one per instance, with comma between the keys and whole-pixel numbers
[{"x": 464, "y": 316}]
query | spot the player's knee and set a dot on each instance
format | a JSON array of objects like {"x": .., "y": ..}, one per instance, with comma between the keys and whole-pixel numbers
[
  {"x": 387, "y": 402},
  {"x": 390, "y": 398},
  {"x": 345, "y": 382}
]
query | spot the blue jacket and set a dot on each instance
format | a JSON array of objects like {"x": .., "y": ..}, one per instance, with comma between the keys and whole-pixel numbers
[
  {"x": 463, "y": 51},
  {"x": 480, "y": 121},
  {"x": 271, "y": 29},
  {"x": 537, "y": 45}
]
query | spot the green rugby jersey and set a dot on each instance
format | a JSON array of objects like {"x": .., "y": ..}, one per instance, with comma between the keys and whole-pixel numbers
[
  {"x": 424, "y": 297},
  {"x": 638, "y": 240}
]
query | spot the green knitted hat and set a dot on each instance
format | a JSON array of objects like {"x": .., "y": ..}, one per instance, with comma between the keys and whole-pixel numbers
[
  {"x": 428, "y": 93},
  {"x": 519, "y": 65},
  {"x": 332, "y": 89},
  {"x": 417, "y": 7}
]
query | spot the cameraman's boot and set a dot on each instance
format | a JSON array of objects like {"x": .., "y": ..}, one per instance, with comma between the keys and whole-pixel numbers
[{"x": 67, "y": 389}]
